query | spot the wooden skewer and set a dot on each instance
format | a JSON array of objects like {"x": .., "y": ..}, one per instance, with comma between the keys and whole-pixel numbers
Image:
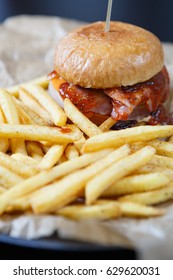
[{"x": 108, "y": 17}]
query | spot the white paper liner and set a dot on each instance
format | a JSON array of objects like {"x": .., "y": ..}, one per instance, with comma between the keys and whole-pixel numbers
[{"x": 26, "y": 52}]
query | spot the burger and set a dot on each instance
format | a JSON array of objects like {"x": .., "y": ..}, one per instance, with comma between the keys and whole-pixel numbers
[{"x": 118, "y": 74}]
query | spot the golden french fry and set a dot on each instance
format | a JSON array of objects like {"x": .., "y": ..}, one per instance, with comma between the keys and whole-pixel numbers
[
  {"x": 149, "y": 168},
  {"x": 137, "y": 183},
  {"x": 51, "y": 157},
  {"x": 106, "y": 125},
  {"x": 96, "y": 186},
  {"x": 131, "y": 209},
  {"x": 34, "y": 118},
  {"x": 46, "y": 177},
  {"x": 16, "y": 166},
  {"x": 162, "y": 147},
  {"x": 103, "y": 211},
  {"x": 8, "y": 178},
  {"x": 23, "y": 116},
  {"x": 56, "y": 112},
  {"x": 2, "y": 117},
  {"x": 2, "y": 189},
  {"x": 71, "y": 152},
  {"x": 162, "y": 161},
  {"x": 11, "y": 115},
  {"x": 66, "y": 190},
  {"x": 4, "y": 143},
  {"x": 113, "y": 139},
  {"x": 45, "y": 148},
  {"x": 34, "y": 150},
  {"x": 137, "y": 146},
  {"x": 152, "y": 197},
  {"x": 80, "y": 120},
  {"x": 40, "y": 81},
  {"x": 79, "y": 144},
  {"x": 25, "y": 159},
  {"x": 8, "y": 107},
  {"x": 33, "y": 104},
  {"x": 171, "y": 139},
  {"x": 20, "y": 204},
  {"x": 62, "y": 159},
  {"x": 39, "y": 133}
]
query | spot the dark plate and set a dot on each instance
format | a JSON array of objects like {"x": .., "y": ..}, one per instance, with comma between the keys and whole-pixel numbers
[{"x": 54, "y": 247}]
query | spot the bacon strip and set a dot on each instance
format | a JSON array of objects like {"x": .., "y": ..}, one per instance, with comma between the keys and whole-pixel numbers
[{"x": 151, "y": 93}]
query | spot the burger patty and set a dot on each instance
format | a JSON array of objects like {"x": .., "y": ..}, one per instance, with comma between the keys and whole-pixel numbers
[{"x": 118, "y": 102}]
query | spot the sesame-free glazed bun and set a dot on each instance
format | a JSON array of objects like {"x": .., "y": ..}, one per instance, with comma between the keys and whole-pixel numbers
[{"x": 92, "y": 58}]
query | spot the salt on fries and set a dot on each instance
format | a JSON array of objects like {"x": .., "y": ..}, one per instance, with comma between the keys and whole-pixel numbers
[{"x": 47, "y": 163}]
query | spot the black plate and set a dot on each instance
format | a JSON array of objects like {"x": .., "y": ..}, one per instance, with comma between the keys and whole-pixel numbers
[{"x": 56, "y": 248}]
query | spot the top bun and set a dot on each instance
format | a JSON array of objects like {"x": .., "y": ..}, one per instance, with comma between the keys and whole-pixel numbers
[{"x": 93, "y": 58}]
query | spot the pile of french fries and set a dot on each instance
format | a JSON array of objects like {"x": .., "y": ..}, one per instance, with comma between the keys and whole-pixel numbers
[{"x": 55, "y": 161}]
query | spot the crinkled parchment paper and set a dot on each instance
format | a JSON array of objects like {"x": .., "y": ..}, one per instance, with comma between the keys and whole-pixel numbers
[{"x": 26, "y": 52}]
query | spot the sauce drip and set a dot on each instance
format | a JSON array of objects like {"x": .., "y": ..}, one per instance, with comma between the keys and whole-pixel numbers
[{"x": 64, "y": 129}]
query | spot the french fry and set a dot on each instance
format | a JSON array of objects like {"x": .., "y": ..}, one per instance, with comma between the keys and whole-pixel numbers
[
  {"x": 56, "y": 112},
  {"x": 51, "y": 157},
  {"x": 171, "y": 139},
  {"x": 102, "y": 211},
  {"x": 96, "y": 186},
  {"x": 20, "y": 204},
  {"x": 11, "y": 115},
  {"x": 23, "y": 116},
  {"x": 162, "y": 147},
  {"x": 162, "y": 161},
  {"x": 115, "y": 139},
  {"x": 106, "y": 125},
  {"x": 46, "y": 177},
  {"x": 27, "y": 160},
  {"x": 137, "y": 183},
  {"x": 16, "y": 166},
  {"x": 40, "y": 81},
  {"x": 66, "y": 190},
  {"x": 132, "y": 177},
  {"x": 79, "y": 144},
  {"x": 152, "y": 197},
  {"x": 34, "y": 150},
  {"x": 39, "y": 133},
  {"x": 34, "y": 118},
  {"x": 137, "y": 146},
  {"x": 2, "y": 117},
  {"x": 2, "y": 189},
  {"x": 149, "y": 168},
  {"x": 62, "y": 159},
  {"x": 4, "y": 143},
  {"x": 32, "y": 103},
  {"x": 80, "y": 120},
  {"x": 8, "y": 178},
  {"x": 131, "y": 209},
  {"x": 71, "y": 152}
]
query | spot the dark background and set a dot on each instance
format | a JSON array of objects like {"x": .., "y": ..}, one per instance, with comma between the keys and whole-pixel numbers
[{"x": 154, "y": 15}]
